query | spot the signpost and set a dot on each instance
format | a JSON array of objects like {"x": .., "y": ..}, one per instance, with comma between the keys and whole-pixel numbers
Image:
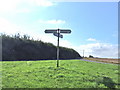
[{"x": 57, "y": 32}]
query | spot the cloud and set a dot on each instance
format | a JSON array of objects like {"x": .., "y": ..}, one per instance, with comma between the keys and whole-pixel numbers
[
  {"x": 17, "y": 5},
  {"x": 8, "y": 5},
  {"x": 10, "y": 28},
  {"x": 7, "y": 27},
  {"x": 91, "y": 39},
  {"x": 56, "y": 22},
  {"x": 87, "y": 0},
  {"x": 23, "y": 10},
  {"x": 45, "y": 3},
  {"x": 52, "y": 21},
  {"x": 99, "y": 50}
]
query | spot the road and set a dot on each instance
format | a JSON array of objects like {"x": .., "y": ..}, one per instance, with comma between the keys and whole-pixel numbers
[{"x": 96, "y": 61}]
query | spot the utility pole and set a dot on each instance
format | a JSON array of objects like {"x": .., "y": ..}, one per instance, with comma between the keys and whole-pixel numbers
[{"x": 83, "y": 53}]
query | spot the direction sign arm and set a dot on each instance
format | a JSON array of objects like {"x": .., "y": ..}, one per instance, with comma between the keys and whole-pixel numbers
[
  {"x": 51, "y": 31},
  {"x": 65, "y": 31}
]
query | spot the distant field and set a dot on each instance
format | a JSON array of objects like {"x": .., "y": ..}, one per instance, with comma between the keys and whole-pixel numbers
[
  {"x": 70, "y": 74},
  {"x": 107, "y": 60}
]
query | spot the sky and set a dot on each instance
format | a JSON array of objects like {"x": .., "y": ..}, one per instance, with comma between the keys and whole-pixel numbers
[{"x": 94, "y": 25}]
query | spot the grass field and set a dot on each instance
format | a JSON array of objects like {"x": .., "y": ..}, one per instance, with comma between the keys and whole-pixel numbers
[{"x": 70, "y": 74}]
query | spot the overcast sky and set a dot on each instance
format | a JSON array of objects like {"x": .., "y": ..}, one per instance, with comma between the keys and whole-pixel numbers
[{"x": 94, "y": 25}]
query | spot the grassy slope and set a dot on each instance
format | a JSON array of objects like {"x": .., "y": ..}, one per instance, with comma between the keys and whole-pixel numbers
[{"x": 70, "y": 74}]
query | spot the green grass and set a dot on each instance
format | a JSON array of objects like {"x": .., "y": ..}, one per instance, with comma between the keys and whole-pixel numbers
[{"x": 70, "y": 74}]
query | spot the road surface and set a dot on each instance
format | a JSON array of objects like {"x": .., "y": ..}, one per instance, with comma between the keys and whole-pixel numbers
[{"x": 96, "y": 61}]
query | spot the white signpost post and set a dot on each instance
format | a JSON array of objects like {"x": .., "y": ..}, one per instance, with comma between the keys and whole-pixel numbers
[{"x": 57, "y": 33}]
